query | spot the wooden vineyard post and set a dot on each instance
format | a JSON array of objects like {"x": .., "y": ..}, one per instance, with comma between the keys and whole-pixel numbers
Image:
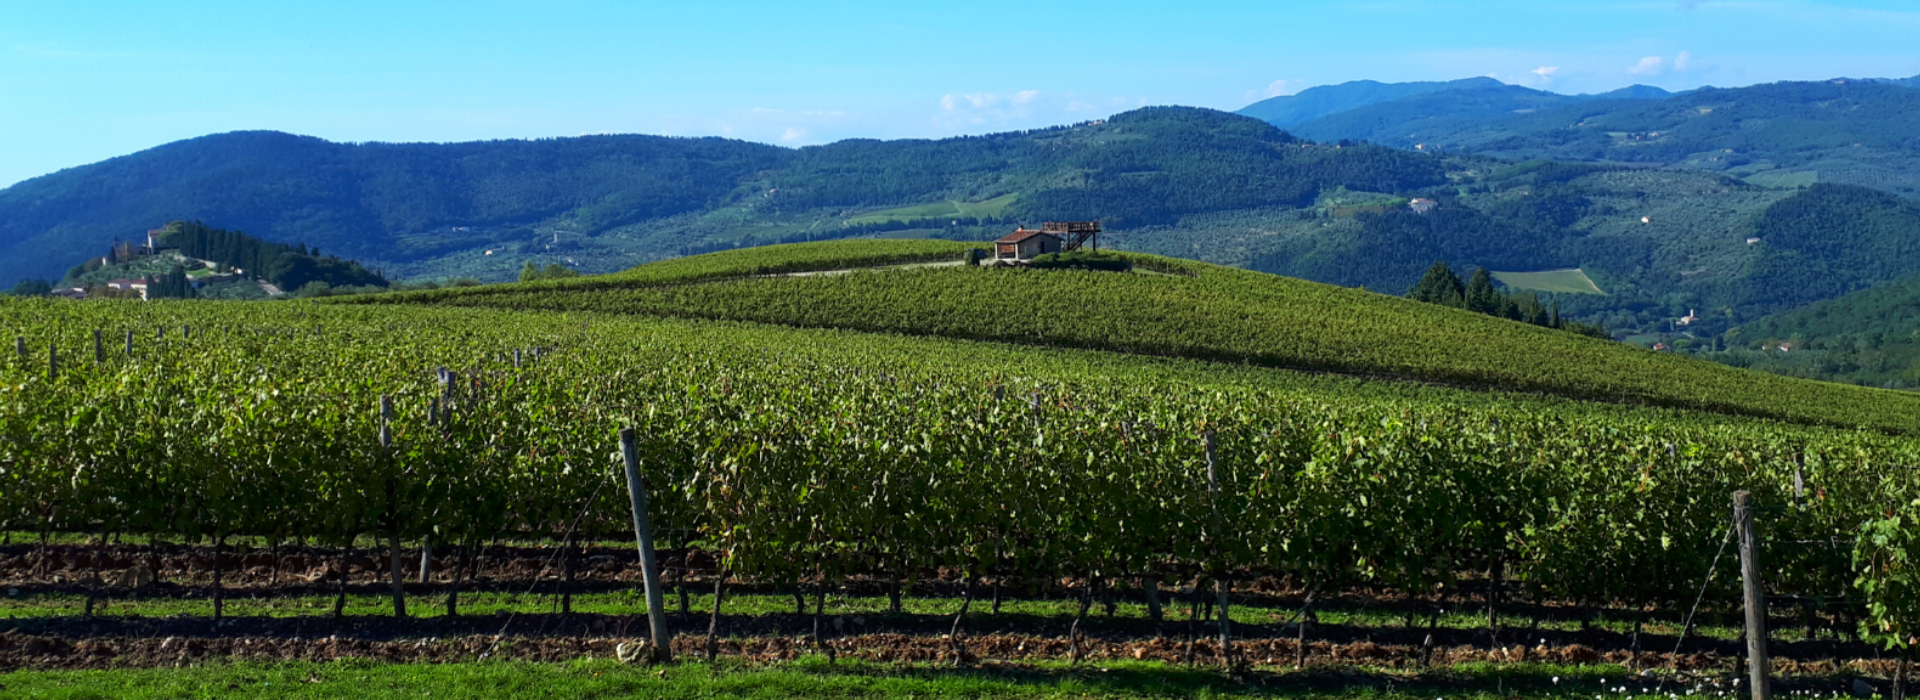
[
  {"x": 53, "y": 362},
  {"x": 1220, "y": 583},
  {"x": 20, "y": 346},
  {"x": 393, "y": 510},
  {"x": 1300, "y": 635},
  {"x": 129, "y": 343},
  {"x": 99, "y": 348},
  {"x": 1150, "y": 584},
  {"x": 1758, "y": 665},
  {"x": 1799, "y": 478},
  {"x": 713, "y": 622},
  {"x": 643, "y": 532},
  {"x": 219, "y": 591}
]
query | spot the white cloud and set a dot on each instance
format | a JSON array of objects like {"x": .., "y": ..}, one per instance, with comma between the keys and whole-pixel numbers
[
  {"x": 1650, "y": 65},
  {"x": 1541, "y": 77},
  {"x": 793, "y": 134},
  {"x": 1022, "y": 109},
  {"x": 1277, "y": 88},
  {"x": 985, "y": 108},
  {"x": 1682, "y": 63}
]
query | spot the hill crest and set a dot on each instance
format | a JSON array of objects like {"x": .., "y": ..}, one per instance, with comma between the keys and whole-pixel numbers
[{"x": 1180, "y": 309}]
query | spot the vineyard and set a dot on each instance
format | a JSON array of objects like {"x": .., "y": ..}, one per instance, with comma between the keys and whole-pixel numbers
[
  {"x": 789, "y": 459},
  {"x": 1190, "y": 310}
]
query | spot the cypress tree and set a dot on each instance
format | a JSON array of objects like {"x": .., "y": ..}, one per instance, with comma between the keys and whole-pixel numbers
[
  {"x": 1534, "y": 312},
  {"x": 1439, "y": 286},
  {"x": 1481, "y": 295}
]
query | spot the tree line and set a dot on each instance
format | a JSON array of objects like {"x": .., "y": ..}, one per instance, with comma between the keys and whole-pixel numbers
[
  {"x": 289, "y": 267},
  {"x": 1479, "y": 294}
]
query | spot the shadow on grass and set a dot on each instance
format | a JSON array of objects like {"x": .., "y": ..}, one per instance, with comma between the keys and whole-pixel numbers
[
  {"x": 366, "y": 679},
  {"x": 1154, "y": 679}
]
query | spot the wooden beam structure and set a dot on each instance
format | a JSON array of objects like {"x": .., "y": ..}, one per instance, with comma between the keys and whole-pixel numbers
[{"x": 1074, "y": 234}]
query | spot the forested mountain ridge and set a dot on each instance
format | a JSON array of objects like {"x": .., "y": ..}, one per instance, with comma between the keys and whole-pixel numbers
[
  {"x": 1842, "y": 131},
  {"x": 1416, "y": 119},
  {"x": 359, "y": 200},
  {"x": 1309, "y": 109},
  {"x": 1869, "y": 337},
  {"x": 484, "y": 208},
  {"x": 1316, "y": 102}
]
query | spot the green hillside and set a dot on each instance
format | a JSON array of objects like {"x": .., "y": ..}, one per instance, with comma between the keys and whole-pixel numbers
[
  {"x": 991, "y": 208},
  {"x": 1659, "y": 243},
  {"x": 1182, "y": 309},
  {"x": 1870, "y": 337}
]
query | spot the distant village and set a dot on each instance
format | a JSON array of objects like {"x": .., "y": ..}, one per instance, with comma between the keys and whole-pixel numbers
[{"x": 123, "y": 257}]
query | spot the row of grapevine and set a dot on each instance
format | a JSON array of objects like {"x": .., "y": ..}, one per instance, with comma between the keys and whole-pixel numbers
[{"x": 802, "y": 453}]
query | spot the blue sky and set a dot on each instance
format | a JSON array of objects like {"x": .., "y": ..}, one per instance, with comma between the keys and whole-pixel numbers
[{"x": 83, "y": 81}]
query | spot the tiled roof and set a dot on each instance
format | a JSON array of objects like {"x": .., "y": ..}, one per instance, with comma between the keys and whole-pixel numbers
[{"x": 1022, "y": 234}]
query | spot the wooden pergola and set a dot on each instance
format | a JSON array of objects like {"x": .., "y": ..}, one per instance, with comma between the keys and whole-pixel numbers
[{"x": 1073, "y": 234}]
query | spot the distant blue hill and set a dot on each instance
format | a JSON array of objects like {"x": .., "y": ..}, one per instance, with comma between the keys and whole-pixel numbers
[
  {"x": 1443, "y": 116},
  {"x": 1854, "y": 131},
  {"x": 1314, "y": 103},
  {"x": 1480, "y": 95},
  {"x": 1632, "y": 92}
]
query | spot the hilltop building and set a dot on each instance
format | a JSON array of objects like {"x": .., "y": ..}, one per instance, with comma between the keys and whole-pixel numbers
[
  {"x": 1422, "y": 205},
  {"x": 1025, "y": 244},
  {"x": 127, "y": 285}
]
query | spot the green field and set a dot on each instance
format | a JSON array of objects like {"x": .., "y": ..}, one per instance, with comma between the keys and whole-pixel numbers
[
  {"x": 949, "y": 209},
  {"x": 1572, "y": 281}
]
